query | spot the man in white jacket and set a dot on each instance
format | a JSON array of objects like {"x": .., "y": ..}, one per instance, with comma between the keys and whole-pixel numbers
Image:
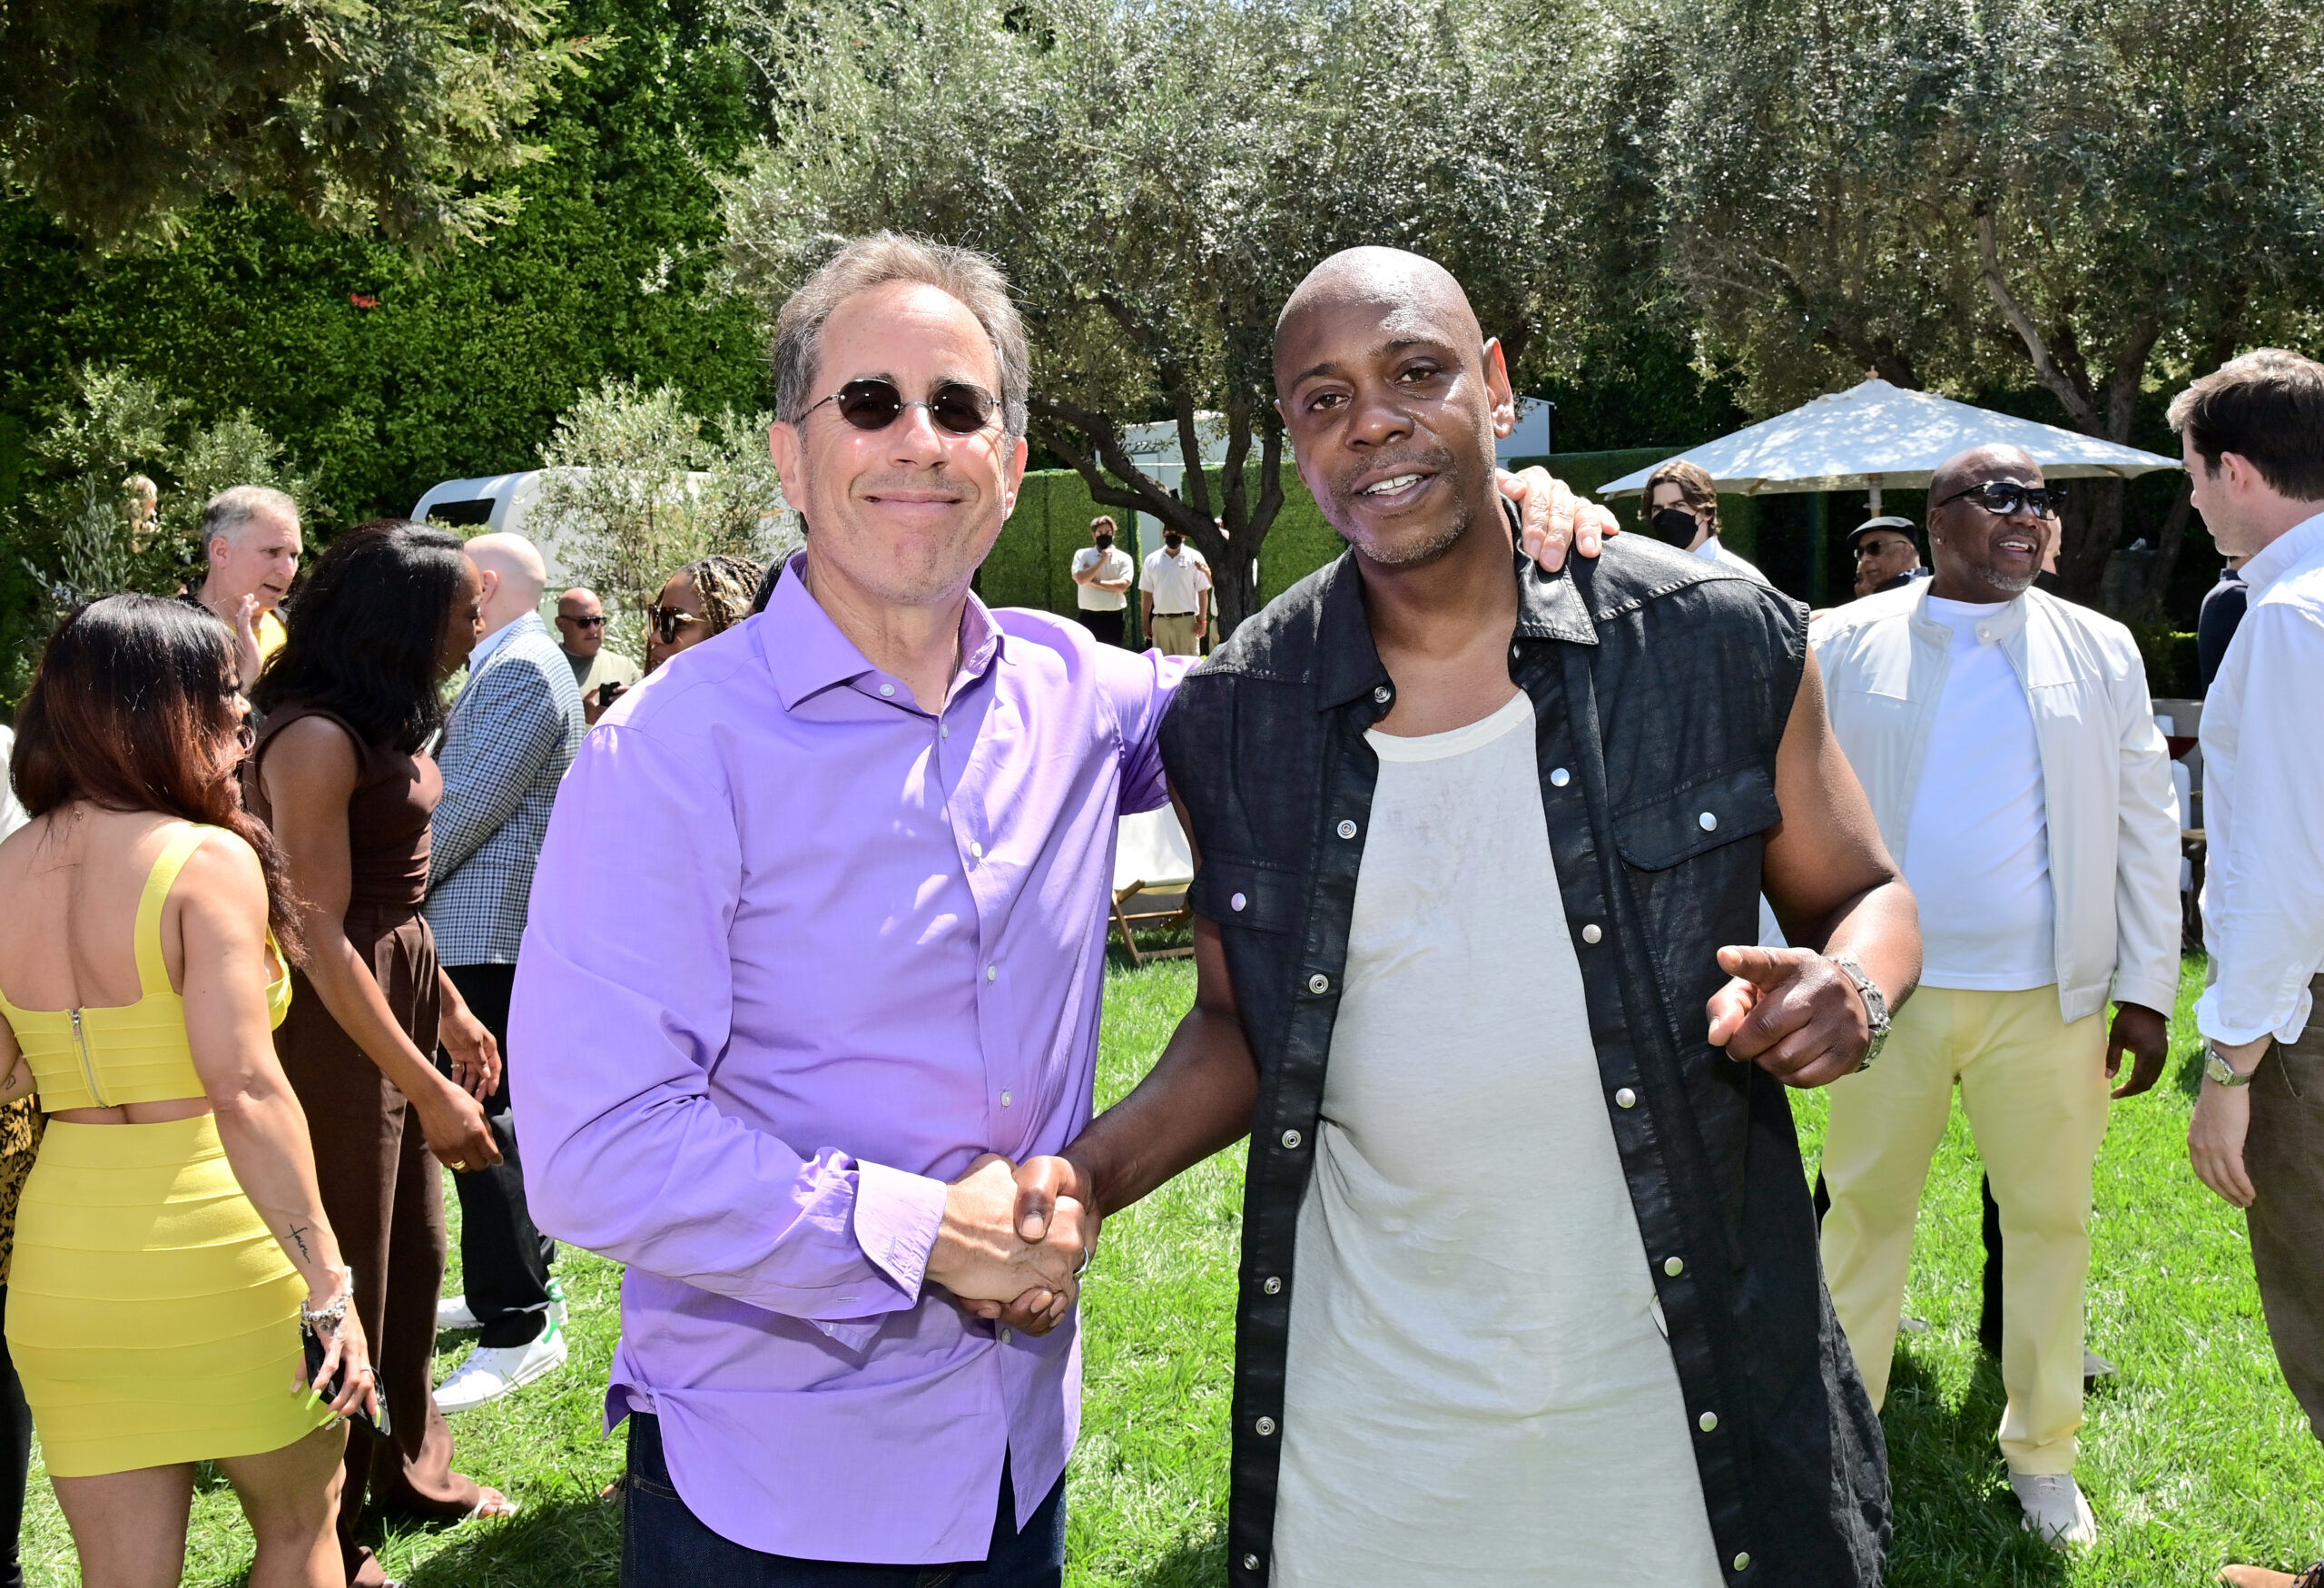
[{"x": 2008, "y": 744}]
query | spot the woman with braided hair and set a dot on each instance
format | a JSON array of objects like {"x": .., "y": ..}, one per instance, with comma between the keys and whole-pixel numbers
[{"x": 707, "y": 596}]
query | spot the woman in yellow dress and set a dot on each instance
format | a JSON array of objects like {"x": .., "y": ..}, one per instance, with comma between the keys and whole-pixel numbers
[{"x": 171, "y": 1244}]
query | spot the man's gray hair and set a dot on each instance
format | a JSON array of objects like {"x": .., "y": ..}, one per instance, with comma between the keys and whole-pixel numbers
[
  {"x": 223, "y": 515},
  {"x": 873, "y": 261}
]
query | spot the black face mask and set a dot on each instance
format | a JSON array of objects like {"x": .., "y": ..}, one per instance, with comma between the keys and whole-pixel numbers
[
  {"x": 1105, "y": 543},
  {"x": 1173, "y": 541},
  {"x": 1676, "y": 526}
]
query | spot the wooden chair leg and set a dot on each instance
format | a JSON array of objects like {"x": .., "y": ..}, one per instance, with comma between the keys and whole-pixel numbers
[{"x": 1129, "y": 938}]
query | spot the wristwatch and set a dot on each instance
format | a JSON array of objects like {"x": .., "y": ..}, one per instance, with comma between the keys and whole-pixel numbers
[
  {"x": 1875, "y": 1007},
  {"x": 2218, "y": 1071}
]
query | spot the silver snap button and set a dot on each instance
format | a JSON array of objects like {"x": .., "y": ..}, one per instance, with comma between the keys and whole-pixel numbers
[
  {"x": 1514, "y": 652},
  {"x": 1005, "y": 1099},
  {"x": 1674, "y": 1267},
  {"x": 1273, "y": 1286},
  {"x": 1319, "y": 982},
  {"x": 1348, "y": 829},
  {"x": 1559, "y": 777},
  {"x": 1709, "y": 821},
  {"x": 1591, "y": 933},
  {"x": 1266, "y": 1425},
  {"x": 1250, "y": 1562},
  {"x": 1743, "y": 1561},
  {"x": 1708, "y": 1421},
  {"x": 1238, "y": 902},
  {"x": 977, "y": 850},
  {"x": 1292, "y": 1138},
  {"x": 888, "y": 691},
  {"x": 1625, "y": 1098},
  {"x": 1381, "y": 695}
]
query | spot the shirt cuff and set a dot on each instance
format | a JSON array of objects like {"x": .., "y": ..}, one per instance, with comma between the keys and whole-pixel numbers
[
  {"x": 897, "y": 1216},
  {"x": 2212, "y": 1021}
]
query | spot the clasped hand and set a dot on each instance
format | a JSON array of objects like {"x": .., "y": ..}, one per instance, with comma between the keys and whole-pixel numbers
[{"x": 1014, "y": 1241}]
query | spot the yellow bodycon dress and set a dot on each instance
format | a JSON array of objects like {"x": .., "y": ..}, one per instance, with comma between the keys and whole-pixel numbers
[{"x": 154, "y": 1318}]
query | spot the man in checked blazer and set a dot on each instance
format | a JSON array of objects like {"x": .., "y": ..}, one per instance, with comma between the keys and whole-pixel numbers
[{"x": 511, "y": 734}]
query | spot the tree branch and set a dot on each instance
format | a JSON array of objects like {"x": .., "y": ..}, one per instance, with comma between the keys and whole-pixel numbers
[{"x": 2077, "y": 400}]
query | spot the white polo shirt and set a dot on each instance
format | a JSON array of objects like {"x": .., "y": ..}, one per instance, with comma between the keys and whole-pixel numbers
[{"x": 1174, "y": 582}]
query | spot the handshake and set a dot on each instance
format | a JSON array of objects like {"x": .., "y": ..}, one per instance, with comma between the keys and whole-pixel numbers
[{"x": 1015, "y": 1239}]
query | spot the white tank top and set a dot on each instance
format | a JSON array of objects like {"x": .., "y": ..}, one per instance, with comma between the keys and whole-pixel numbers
[{"x": 1478, "y": 1393}]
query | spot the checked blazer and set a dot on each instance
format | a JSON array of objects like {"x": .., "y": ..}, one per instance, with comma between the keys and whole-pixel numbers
[{"x": 511, "y": 734}]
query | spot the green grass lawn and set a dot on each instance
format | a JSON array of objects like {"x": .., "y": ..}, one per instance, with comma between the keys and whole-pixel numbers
[{"x": 2194, "y": 1456}]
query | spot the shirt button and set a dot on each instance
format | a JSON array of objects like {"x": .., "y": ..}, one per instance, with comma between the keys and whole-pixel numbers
[
  {"x": 1004, "y": 1099},
  {"x": 1707, "y": 822},
  {"x": 1250, "y": 1562},
  {"x": 1319, "y": 982},
  {"x": 993, "y": 972},
  {"x": 1238, "y": 902},
  {"x": 1559, "y": 777},
  {"x": 1292, "y": 1138},
  {"x": 1381, "y": 695},
  {"x": 887, "y": 691},
  {"x": 1984, "y": 633},
  {"x": 1743, "y": 1561},
  {"x": 1591, "y": 933},
  {"x": 1707, "y": 1421},
  {"x": 1625, "y": 1098},
  {"x": 1007, "y": 1336},
  {"x": 1273, "y": 1285},
  {"x": 977, "y": 850},
  {"x": 1266, "y": 1425},
  {"x": 1348, "y": 829},
  {"x": 944, "y": 730},
  {"x": 1674, "y": 1267},
  {"x": 1514, "y": 652}
]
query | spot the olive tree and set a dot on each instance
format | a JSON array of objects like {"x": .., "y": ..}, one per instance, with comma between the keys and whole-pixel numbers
[
  {"x": 1156, "y": 178},
  {"x": 119, "y": 115}
]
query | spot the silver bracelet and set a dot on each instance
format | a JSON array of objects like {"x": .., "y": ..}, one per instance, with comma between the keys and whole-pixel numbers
[{"x": 325, "y": 1320}]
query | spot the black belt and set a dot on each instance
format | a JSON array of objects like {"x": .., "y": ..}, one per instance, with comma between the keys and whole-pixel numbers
[{"x": 1174, "y": 615}]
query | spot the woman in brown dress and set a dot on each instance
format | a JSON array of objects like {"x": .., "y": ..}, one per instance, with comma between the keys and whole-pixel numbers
[{"x": 388, "y": 613}]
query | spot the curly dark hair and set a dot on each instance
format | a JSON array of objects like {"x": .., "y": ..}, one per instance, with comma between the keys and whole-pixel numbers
[
  {"x": 365, "y": 632},
  {"x": 729, "y": 586},
  {"x": 133, "y": 696}
]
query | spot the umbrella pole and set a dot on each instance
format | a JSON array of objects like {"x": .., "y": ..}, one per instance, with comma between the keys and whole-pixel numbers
[{"x": 1875, "y": 497}]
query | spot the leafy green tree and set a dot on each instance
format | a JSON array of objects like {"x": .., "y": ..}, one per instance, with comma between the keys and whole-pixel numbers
[
  {"x": 640, "y": 486},
  {"x": 87, "y": 527},
  {"x": 2082, "y": 196},
  {"x": 1155, "y": 178},
  {"x": 121, "y": 115}
]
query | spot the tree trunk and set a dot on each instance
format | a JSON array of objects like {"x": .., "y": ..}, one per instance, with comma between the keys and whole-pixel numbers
[{"x": 2091, "y": 528}]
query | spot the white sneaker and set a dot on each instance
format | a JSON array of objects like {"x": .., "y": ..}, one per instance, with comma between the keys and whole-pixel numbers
[
  {"x": 452, "y": 1313},
  {"x": 493, "y": 1371},
  {"x": 2055, "y": 1511}
]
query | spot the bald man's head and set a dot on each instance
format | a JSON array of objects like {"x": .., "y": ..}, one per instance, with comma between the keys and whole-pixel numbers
[
  {"x": 1392, "y": 398},
  {"x": 514, "y": 577},
  {"x": 1987, "y": 544},
  {"x": 580, "y": 622}
]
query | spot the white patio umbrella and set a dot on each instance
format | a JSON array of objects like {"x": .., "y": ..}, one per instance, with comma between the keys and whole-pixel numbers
[{"x": 1876, "y": 435}]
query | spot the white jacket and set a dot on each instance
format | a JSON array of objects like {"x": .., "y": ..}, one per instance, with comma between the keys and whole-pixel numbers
[{"x": 2113, "y": 815}]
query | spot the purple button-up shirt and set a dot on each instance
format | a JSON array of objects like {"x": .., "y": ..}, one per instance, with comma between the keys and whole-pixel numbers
[{"x": 799, "y": 951}]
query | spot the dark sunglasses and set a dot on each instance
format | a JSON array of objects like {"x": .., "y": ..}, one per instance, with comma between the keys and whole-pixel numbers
[
  {"x": 667, "y": 621},
  {"x": 873, "y": 403},
  {"x": 596, "y": 622},
  {"x": 2002, "y": 497}
]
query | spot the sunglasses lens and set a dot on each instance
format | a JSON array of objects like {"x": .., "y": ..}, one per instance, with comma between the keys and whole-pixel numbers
[
  {"x": 961, "y": 409},
  {"x": 869, "y": 405}
]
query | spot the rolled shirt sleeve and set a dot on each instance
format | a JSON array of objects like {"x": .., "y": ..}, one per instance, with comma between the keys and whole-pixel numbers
[
  {"x": 2263, "y": 896},
  {"x": 622, "y": 1011}
]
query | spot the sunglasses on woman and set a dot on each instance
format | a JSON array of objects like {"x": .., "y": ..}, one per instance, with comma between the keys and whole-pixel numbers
[
  {"x": 2003, "y": 498},
  {"x": 667, "y": 621},
  {"x": 875, "y": 402}
]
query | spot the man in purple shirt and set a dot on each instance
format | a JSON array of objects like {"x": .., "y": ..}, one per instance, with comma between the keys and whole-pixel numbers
[{"x": 817, "y": 954}]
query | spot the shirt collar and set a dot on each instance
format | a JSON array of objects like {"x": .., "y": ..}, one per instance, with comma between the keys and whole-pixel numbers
[
  {"x": 813, "y": 655},
  {"x": 1709, "y": 549},
  {"x": 2003, "y": 624},
  {"x": 500, "y": 636},
  {"x": 1548, "y": 607},
  {"x": 2293, "y": 547}
]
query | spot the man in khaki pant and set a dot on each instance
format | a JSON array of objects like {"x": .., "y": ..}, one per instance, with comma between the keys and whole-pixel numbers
[
  {"x": 2253, "y": 434},
  {"x": 1175, "y": 590},
  {"x": 2008, "y": 744}
]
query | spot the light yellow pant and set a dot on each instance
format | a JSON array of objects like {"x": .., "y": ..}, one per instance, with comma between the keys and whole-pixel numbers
[
  {"x": 2034, "y": 1088},
  {"x": 1173, "y": 633}
]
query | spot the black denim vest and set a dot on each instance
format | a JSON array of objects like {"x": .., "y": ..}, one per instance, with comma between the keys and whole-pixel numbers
[{"x": 1660, "y": 685}]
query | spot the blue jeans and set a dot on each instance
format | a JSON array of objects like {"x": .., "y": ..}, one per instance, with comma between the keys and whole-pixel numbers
[{"x": 665, "y": 1546}]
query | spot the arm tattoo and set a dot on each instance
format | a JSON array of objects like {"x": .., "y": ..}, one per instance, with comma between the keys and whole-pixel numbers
[{"x": 298, "y": 1237}]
